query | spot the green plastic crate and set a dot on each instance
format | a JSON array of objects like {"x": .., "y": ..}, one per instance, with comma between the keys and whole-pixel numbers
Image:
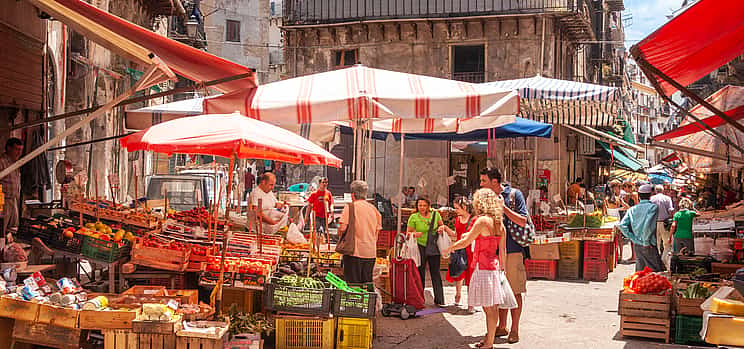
[
  {"x": 687, "y": 330},
  {"x": 105, "y": 250}
]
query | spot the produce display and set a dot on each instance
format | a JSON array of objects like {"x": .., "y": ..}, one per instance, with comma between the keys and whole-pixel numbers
[
  {"x": 117, "y": 213},
  {"x": 646, "y": 282},
  {"x": 593, "y": 220},
  {"x": 102, "y": 231},
  {"x": 300, "y": 281},
  {"x": 248, "y": 323},
  {"x": 697, "y": 290}
]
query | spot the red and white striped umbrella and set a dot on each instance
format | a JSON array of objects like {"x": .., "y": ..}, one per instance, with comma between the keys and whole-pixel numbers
[{"x": 359, "y": 93}]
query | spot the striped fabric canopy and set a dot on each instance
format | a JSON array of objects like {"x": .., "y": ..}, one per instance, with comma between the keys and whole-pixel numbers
[
  {"x": 556, "y": 101},
  {"x": 359, "y": 93}
]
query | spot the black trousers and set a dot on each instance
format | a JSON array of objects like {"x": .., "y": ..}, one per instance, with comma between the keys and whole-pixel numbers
[
  {"x": 358, "y": 270},
  {"x": 434, "y": 272}
]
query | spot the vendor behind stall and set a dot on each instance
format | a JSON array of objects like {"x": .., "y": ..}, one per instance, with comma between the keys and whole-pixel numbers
[
  {"x": 268, "y": 214},
  {"x": 11, "y": 185}
]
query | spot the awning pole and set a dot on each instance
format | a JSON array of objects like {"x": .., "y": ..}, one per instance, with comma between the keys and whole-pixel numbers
[
  {"x": 655, "y": 71},
  {"x": 84, "y": 121},
  {"x": 598, "y": 138},
  {"x": 620, "y": 142},
  {"x": 400, "y": 180},
  {"x": 698, "y": 152}
]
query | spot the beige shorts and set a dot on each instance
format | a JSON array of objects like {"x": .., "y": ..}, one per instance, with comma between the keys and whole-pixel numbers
[{"x": 515, "y": 272}]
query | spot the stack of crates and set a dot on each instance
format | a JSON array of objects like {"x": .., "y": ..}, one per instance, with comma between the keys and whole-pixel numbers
[
  {"x": 355, "y": 314},
  {"x": 569, "y": 266},
  {"x": 303, "y": 332},
  {"x": 597, "y": 261}
]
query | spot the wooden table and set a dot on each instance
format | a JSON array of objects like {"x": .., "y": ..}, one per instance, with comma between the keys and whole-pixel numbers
[{"x": 30, "y": 269}]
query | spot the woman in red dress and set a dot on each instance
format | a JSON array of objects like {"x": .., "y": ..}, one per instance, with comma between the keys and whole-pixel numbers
[{"x": 463, "y": 223}]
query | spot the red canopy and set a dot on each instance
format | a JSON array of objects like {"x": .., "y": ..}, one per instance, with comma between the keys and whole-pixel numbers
[
  {"x": 134, "y": 42},
  {"x": 704, "y": 37},
  {"x": 729, "y": 99},
  {"x": 227, "y": 135}
]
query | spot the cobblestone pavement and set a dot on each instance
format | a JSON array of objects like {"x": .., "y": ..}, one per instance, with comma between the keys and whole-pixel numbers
[{"x": 557, "y": 314}]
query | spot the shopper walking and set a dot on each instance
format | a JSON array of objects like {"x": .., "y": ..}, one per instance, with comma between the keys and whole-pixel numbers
[
  {"x": 663, "y": 220},
  {"x": 639, "y": 225},
  {"x": 515, "y": 217},
  {"x": 364, "y": 221},
  {"x": 681, "y": 230},
  {"x": 423, "y": 225},
  {"x": 489, "y": 259},
  {"x": 463, "y": 223},
  {"x": 322, "y": 205}
]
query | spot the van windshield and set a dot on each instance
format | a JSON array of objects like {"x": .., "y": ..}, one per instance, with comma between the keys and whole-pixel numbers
[{"x": 183, "y": 194}]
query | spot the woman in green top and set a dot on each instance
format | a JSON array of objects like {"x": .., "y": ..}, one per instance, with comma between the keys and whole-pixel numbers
[
  {"x": 682, "y": 227},
  {"x": 423, "y": 225}
]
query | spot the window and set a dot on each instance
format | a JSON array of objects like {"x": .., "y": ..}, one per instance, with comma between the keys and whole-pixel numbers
[
  {"x": 345, "y": 58},
  {"x": 469, "y": 63},
  {"x": 232, "y": 31}
]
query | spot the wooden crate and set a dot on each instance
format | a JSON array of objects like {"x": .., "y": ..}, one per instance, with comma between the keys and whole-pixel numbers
[
  {"x": 645, "y": 327},
  {"x": 146, "y": 290},
  {"x": 688, "y": 306},
  {"x": 126, "y": 339},
  {"x": 157, "y": 327},
  {"x": 725, "y": 269},
  {"x": 191, "y": 340},
  {"x": 248, "y": 301},
  {"x": 46, "y": 335},
  {"x": 160, "y": 258},
  {"x": 18, "y": 309},
  {"x": 187, "y": 296},
  {"x": 58, "y": 316},
  {"x": 644, "y": 305},
  {"x": 109, "y": 319},
  {"x": 545, "y": 251}
]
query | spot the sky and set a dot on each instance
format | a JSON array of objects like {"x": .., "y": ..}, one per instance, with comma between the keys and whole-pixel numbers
[{"x": 648, "y": 15}]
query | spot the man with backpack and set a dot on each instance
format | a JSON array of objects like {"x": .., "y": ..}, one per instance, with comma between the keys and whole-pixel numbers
[{"x": 520, "y": 232}]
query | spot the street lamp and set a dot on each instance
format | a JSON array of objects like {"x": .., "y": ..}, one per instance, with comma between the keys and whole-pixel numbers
[{"x": 191, "y": 26}]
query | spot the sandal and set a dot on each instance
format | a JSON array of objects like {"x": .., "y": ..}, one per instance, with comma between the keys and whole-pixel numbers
[
  {"x": 457, "y": 301},
  {"x": 513, "y": 338},
  {"x": 480, "y": 345},
  {"x": 500, "y": 332}
]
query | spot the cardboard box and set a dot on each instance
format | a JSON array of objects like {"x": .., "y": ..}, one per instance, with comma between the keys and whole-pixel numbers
[{"x": 545, "y": 251}]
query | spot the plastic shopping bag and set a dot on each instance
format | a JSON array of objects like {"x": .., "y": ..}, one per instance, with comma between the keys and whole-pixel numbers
[
  {"x": 667, "y": 258},
  {"x": 510, "y": 302},
  {"x": 411, "y": 250},
  {"x": 444, "y": 243},
  {"x": 294, "y": 236}
]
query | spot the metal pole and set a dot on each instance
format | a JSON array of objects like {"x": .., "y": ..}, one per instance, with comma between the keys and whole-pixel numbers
[
  {"x": 225, "y": 237},
  {"x": 400, "y": 178}
]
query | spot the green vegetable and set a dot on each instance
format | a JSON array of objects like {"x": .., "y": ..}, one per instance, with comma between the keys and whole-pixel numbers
[
  {"x": 248, "y": 323},
  {"x": 695, "y": 290}
]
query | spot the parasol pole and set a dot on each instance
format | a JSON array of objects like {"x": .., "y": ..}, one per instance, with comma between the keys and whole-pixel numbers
[
  {"x": 259, "y": 225},
  {"x": 226, "y": 235},
  {"x": 311, "y": 246},
  {"x": 400, "y": 178},
  {"x": 95, "y": 179}
]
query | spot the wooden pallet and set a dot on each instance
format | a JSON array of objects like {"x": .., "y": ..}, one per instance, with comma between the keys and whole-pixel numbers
[
  {"x": 644, "y": 305},
  {"x": 645, "y": 327}
]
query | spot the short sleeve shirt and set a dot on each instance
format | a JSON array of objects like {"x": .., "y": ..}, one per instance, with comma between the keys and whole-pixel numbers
[
  {"x": 268, "y": 200},
  {"x": 367, "y": 224},
  {"x": 684, "y": 224},
  {"x": 320, "y": 199},
  {"x": 520, "y": 206},
  {"x": 421, "y": 225}
]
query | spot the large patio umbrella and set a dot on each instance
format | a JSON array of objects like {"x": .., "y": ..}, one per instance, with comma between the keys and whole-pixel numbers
[
  {"x": 230, "y": 136},
  {"x": 693, "y": 134}
]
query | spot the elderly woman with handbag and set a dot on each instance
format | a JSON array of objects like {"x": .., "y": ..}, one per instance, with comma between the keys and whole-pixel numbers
[{"x": 358, "y": 228}]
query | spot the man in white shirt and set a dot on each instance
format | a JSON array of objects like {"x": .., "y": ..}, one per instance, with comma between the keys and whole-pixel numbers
[
  {"x": 666, "y": 211},
  {"x": 268, "y": 214}
]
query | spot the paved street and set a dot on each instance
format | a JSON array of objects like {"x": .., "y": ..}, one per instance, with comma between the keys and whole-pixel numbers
[{"x": 557, "y": 314}]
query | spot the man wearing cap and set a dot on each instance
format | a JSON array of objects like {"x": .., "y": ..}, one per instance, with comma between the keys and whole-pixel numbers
[
  {"x": 666, "y": 211},
  {"x": 639, "y": 225}
]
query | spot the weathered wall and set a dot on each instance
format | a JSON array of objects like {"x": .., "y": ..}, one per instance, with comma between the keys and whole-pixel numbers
[
  {"x": 252, "y": 50},
  {"x": 513, "y": 46}
]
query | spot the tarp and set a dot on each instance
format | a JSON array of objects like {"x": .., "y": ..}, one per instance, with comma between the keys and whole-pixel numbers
[
  {"x": 564, "y": 102},
  {"x": 621, "y": 157},
  {"x": 729, "y": 99},
  {"x": 229, "y": 135},
  {"x": 519, "y": 128},
  {"x": 697, "y": 41},
  {"x": 137, "y": 43},
  {"x": 359, "y": 93}
]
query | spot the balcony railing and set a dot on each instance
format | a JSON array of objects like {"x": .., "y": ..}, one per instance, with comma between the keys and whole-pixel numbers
[
  {"x": 298, "y": 12},
  {"x": 474, "y": 77}
]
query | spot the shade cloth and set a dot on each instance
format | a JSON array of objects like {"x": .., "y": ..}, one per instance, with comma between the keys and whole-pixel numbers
[
  {"x": 563, "y": 102},
  {"x": 697, "y": 41},
  {"x": 519, "y": 128},
  {"x": 729, "y": 99},
  {"x": 621, "y": 157},
  {"x": 137, "y": 43},
  {"x": 359, "y": 92},
  {"x": 229, "y": 135}
]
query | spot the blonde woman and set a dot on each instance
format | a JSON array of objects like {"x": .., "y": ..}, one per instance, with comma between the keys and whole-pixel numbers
[{"x": 486, "y": 288}]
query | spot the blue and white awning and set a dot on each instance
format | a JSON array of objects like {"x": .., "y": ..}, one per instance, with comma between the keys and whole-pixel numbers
[{"x": 556, "y": 101}]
